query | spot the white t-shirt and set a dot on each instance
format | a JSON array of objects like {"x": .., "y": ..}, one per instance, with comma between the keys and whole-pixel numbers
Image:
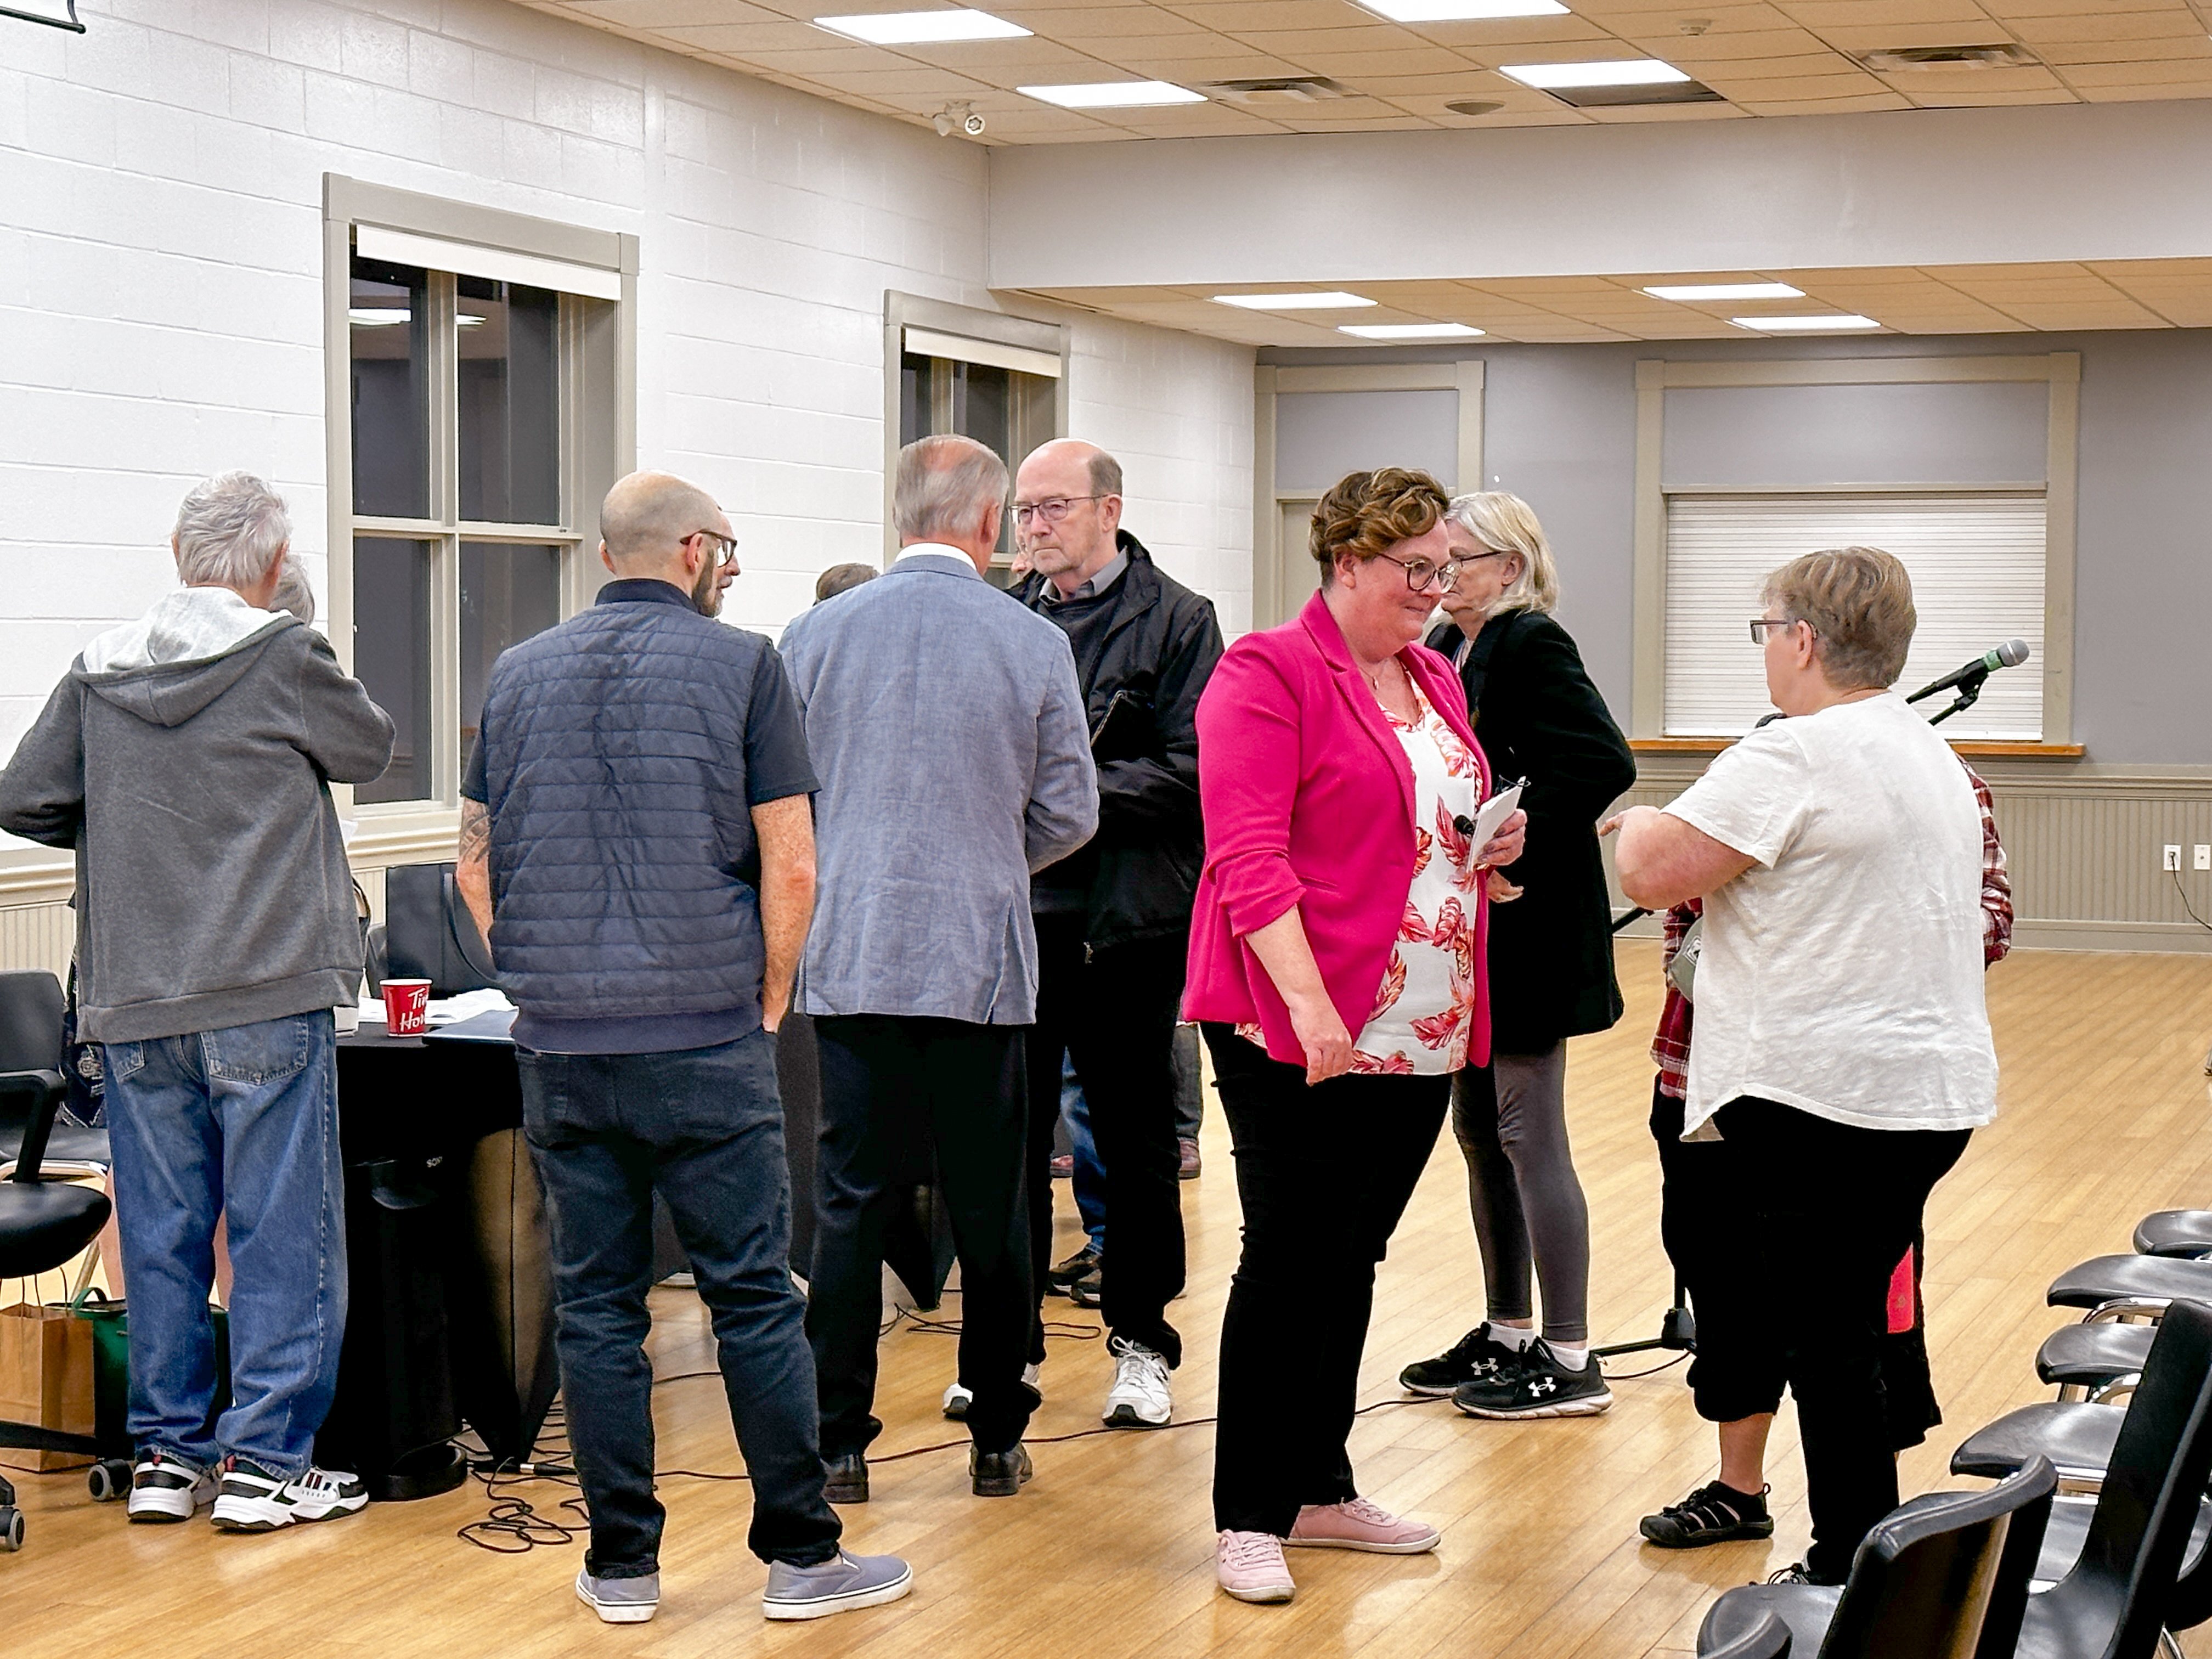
[{"x": 1842, "y": 973}]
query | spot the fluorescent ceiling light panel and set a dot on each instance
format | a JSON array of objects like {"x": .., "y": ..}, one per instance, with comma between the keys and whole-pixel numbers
[
  {"x": 1613, "y": 72},
  {"x": 1835, "y": 324},
  {"x": 923, "y": 28},
  {"x": 1113, "y": 94},
  {"x": 1411, "y": 330},
  {"x": 1692, "y": 293},
  {"x": 1457, "y": 11},
  {"x": 1327, "y": 301}
]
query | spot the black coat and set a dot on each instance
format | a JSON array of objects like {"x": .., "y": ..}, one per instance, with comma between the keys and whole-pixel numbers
[
  {"x": 1141, "y": 686},
  {"x": 1539, "y": 717}
]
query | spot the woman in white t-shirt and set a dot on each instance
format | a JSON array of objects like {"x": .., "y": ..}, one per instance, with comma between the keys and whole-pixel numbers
[{"x": 1842, "y": 1042}]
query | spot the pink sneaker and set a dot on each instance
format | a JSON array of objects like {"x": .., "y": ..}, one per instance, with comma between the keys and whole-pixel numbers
[
  {"x": 1251, "y": 1568},
  {"x": 1360, "y": 1525}
]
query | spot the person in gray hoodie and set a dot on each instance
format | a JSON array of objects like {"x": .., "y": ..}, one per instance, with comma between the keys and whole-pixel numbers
[{"x": 186, "y": 758}]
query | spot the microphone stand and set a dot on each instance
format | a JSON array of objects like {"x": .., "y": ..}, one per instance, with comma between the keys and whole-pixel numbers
[{"x": 1678, "y": 1326}]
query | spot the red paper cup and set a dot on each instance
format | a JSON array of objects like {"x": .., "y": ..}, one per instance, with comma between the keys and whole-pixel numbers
[{"x": 406, "y": 1006}]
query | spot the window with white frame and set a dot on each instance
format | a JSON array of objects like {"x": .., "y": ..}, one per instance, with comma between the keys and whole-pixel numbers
[
  {"x": 1977, "y": 559},
  {"x": 996, "y": 379},
  {"x": 484, "y": 416}
]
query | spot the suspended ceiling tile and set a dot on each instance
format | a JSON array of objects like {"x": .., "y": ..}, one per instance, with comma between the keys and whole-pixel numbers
[
  {"x": 1235, "y": 16},
  {"x": 2194, "y": 70},
  {"x": 2188, "y": 48},
  {"x": 1848, "y": 106},
  {"x": 2038, "y": 32},
  {"x": 665, "y": 13},
  {"x": 1850, "y": 85},
  {"x": 1865, "y": 14},
  {"x": 1751, "y": 45}
]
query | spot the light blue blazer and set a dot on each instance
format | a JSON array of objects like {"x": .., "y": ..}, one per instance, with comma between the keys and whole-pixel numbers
[{"x": 948, "y": 729}]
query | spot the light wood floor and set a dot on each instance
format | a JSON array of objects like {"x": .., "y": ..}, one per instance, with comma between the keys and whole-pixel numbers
[{"x": 1109, "y": 1552}]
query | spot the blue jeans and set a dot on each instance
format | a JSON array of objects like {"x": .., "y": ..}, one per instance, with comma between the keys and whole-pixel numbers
[
  {"x": 1090, "y": 1176},
  {"x": 704, "y": 1128},
  {"x": 244, "y": 1122}
]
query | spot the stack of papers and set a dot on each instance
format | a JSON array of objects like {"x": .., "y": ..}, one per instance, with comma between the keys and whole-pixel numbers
[{"x": 448, "y": 1012}]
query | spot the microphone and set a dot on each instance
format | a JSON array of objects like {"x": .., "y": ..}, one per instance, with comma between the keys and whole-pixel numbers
[{"x": 2010, "y": 655}]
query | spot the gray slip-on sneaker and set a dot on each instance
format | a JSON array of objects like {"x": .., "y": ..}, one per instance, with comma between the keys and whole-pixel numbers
[
  {"x": 841, "y": 1584},
  {"x": 620, "y": 1601}
]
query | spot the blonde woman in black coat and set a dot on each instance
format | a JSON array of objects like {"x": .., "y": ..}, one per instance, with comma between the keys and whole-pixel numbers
[{"x": 1539, "y": 718}]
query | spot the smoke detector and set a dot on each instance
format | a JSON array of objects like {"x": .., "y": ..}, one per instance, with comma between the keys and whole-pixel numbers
[
  {"x": 1281, "y": 90},
  {"x": 1905, "y": 60},
  {"x": 1475, "y": 106}
]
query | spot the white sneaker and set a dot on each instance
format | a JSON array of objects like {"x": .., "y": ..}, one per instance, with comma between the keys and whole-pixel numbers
[
  {"x": 1140, "y": 1397},
  {"x": 253, "y": 1499},
  {"x": 166, "y": 1490},
  {"x": 957, "y": 1400}
]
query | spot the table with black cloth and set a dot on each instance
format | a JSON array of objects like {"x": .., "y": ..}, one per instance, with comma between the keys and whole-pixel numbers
[{"x": 450, "y": 1281}]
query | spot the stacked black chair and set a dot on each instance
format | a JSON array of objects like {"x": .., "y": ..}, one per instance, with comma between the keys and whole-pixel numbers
[
  {"x": 1945, "y": 1576},
  {"x": 2184, "y": 1233},
  {"x": 43, "y": 1224},
  {"x": 1768, "y": 1639},
  {"x": 2136, "y": 1567}
]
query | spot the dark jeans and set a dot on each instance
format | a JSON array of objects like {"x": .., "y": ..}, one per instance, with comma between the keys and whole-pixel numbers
[
  {"x": 1323, "y": 1174},
  {"x": 1113, "y": 1012},
  {"x": 704, "y": 1128},
  {"x": 1835, "y": 1207},
  {"x": 895, "y": 1091}
]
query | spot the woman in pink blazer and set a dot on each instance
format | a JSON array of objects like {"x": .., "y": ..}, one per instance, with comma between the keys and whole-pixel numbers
[{"x": 1337, "y": 967}]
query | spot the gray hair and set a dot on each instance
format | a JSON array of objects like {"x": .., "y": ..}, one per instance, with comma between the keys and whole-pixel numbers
[
  {"x": 231, "y": 528},
  {"x": 294, "y": 593},
  {"x": 943, "y": 487},
  {"x": 1503, "y": 523}
]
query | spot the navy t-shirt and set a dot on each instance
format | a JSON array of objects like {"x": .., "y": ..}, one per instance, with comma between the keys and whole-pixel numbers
[{"x": 620, "y": 755}]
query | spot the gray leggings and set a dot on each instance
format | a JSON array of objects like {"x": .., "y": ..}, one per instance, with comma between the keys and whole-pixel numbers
[{"x": 1511, "y": 1119}]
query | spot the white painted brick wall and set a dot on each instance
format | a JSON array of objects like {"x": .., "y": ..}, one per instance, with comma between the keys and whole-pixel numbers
[{"x": 160, "y": 182}]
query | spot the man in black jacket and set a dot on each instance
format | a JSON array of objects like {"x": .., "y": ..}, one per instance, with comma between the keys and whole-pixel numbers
[{"x": 1113, "y": 920}]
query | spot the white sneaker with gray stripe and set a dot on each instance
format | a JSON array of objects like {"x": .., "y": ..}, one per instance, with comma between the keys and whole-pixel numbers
[{"x": 255, "y": 1499}]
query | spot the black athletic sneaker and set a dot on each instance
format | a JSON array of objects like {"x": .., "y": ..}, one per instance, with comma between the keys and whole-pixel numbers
[
  {"x": 1714, "y": 1514},
  {"x": 1539, "y": 1386},
  {"x": 1475, "y": 1357},
  {"x": 1063, "y": 1275}
]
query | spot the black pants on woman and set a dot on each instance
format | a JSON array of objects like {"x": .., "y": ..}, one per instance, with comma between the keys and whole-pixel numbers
[
  {"x": 1836, "y": 1206},
  {"x": 1323, "y": 1174}
]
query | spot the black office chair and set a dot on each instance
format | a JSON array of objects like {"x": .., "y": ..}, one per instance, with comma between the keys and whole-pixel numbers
[
  {"x": 31, "y": 1009},
  {"x": 1944, "y": 1576},
  {"x": 2092, "y": 1359},
  {"x": 1767, "y": 1639},
  {"x": 43, "y": 1224},
  {"x": 2126, "y": 1584}
]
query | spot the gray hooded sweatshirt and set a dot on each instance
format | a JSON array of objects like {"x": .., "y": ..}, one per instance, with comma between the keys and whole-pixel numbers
[{"x": 187, "y": 759}]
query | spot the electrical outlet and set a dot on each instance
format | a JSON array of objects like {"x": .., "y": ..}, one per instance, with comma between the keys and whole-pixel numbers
[
  {"x": 2173, "y": 859},
  {"x": 2204, "y": 855}
]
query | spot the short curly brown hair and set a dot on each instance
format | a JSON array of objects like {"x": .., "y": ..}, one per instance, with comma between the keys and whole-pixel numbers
[{"x": 1364, "y": 513}]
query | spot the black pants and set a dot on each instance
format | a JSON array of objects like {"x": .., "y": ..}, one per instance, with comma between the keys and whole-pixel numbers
[
  {"x": 1113, "y": 1012},
  {"x": 1836, "y": 1207},
  {"x": 1323, "y": 1174},
  {"x": 704, "y": 1128},
  {"x": 896, "y": 1091}
]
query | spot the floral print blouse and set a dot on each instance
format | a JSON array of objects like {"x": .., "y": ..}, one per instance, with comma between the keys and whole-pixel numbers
[{"x": 1425, "y": 1005}]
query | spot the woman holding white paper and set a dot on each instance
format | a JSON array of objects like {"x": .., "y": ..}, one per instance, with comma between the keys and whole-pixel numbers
[{"x": 1550, "y": 960}]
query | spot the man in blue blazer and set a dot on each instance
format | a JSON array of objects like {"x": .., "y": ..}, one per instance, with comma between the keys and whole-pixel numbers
[{"x": 947, "y": 728}]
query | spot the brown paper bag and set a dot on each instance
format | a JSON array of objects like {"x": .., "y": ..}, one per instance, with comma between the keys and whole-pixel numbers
[{"x": 46, "y": 1379}]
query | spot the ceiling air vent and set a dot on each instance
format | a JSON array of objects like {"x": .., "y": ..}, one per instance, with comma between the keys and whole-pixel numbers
[
  {"x": 1903, "y": 60},
  {"x": 1281, "y": 90}
]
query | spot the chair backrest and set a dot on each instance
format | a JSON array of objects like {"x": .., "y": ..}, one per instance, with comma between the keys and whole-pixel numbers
[
  {"x": 1767, "y": 1639},
  {"x": 1927, "y": 1581},
  {"x": 30, "y": 1021},
  {"x": 2131, "y": 1559}
]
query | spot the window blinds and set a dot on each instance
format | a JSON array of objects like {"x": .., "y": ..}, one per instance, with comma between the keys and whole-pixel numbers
[{"x": 1976, "y": 560}]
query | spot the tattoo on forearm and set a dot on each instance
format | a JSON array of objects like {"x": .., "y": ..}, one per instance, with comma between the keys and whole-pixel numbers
[{"x": 476, "y": 832}]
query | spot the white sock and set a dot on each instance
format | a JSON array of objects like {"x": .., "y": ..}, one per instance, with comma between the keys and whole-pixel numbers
[
  {"x": 1572, "y": 1358},
  {"x": 1515, "y": 1337}
]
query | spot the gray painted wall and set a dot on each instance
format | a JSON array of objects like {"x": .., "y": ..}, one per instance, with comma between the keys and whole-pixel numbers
[{"x": 1560, "y": 429}]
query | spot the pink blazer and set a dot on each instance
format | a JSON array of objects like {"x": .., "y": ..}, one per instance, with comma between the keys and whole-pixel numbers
[{"x": 1308, "y": 801}]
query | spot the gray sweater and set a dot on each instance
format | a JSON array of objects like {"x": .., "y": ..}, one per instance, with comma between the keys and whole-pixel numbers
[{"x": 187, "y": 759}]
